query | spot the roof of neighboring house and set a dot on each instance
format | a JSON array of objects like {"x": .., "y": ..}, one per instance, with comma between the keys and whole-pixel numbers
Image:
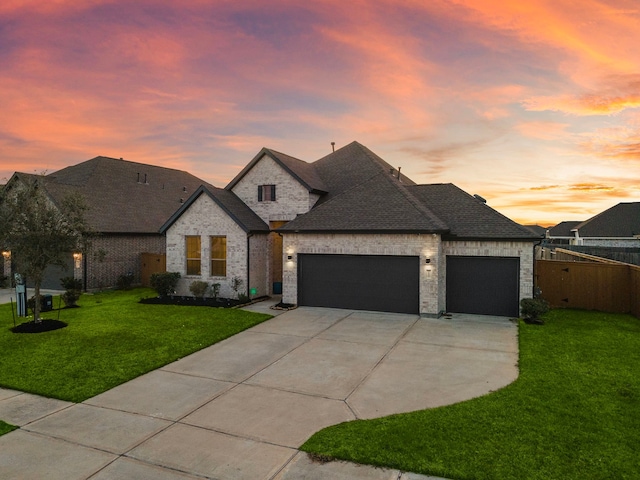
[
  {"x": 303, "y": 172},
  {"x": 246, "y": 218},
  {"x": 467, "y": 216},
  {"x": 564, "y": 229},
  {"x": 537, "y": 229},
  {"x": 124, "y": 196},
  {"x": 621, "y": 220},
  {"x": 366, "y": 195}
]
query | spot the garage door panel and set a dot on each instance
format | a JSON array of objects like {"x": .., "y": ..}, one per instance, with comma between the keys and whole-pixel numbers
[
  {"x": 483, "y": 285},
  {"x": 359, "y": 282}
]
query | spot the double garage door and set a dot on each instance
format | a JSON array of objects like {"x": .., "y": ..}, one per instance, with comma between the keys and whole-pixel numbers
[{"x": 479, "y": 285}]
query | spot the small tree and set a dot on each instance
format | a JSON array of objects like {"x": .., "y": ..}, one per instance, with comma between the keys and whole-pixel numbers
[
  {"x": 39, "y": 231},
  {"x": 73, "y": 290},
  {"x": 236, "y": 285}
]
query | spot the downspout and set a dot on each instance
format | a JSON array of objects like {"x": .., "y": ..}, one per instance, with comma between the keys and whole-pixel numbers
[{"x": 533, "y": 293}]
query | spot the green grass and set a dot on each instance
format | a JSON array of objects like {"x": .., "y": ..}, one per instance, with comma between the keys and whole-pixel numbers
[
  {"x": 6, "y": 428},
  {"x": 110, "y": 339},
  {"x": 573, "y": 413}
]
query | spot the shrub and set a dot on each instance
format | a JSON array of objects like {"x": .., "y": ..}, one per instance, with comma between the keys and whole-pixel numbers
[
  {"x": 165, "y": 283},
  {"x": 73, "y": 290},
  {"x": 533, "y": 308},
  {"x": 4, "y": 281},
  {"x": 236, "y": 285},
  {"x": 125, "y": 281},
  {"x": 199, "y": 288},
  {"x": 215, "y": 290}
]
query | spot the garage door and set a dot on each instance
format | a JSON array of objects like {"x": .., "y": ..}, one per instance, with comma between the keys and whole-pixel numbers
[
  {"x": 359, "y": 282},
  {"x": 483, "y": 285}
]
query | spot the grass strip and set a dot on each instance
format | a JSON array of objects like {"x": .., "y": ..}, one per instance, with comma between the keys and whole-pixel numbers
[
  {"x": 573, "y": 413},
  {"x": 109, "y": 340}
]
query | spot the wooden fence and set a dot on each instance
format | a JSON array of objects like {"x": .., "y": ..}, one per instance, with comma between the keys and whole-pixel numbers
[
  {"x": 605, "y": 286},
  {"x": 151, "y": 263}
]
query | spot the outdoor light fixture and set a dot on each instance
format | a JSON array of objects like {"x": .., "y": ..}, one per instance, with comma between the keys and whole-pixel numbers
[
  {"x": 428, "y": 260},
  {"x": 77, "y": 256},
  {"x": 6, "y": 254},
  {"x": 289, "y": 257}
]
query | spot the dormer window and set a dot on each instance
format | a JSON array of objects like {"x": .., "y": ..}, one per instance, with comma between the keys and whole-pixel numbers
[{"x": 266, "y": 193}]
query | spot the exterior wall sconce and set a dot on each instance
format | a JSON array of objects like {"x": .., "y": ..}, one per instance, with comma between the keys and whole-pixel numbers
[
  {"x": 428, "y": 260},
  {"x": 76, "y": 259},
  {"x": 289, "y": 257},
  {"x": 6, "y": 254}
]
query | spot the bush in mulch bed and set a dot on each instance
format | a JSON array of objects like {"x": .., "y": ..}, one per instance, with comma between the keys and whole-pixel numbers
[
  {"x": 284, "y": 306},
  {"x": 43, "y": 325}
]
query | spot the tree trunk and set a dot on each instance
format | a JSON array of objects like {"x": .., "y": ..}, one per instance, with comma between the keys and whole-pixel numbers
[{"x": 36, "y": 306}]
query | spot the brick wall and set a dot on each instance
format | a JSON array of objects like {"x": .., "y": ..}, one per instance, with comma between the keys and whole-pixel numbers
[
  {"x": 423, "y": 246},
  {"x": 113, "y": 255},
  {"x": 205, "y": 218},
  {"x": 291, "y": 197},
  {"x": 523, "y": 250}
]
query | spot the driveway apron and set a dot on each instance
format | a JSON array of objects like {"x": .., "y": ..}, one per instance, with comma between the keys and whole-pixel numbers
[{"x": 239, "y": 409}]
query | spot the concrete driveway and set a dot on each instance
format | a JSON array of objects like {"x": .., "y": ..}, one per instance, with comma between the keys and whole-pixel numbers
[{"x": 239, "y": 409}]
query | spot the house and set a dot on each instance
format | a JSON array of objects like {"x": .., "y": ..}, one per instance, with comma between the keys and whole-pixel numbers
[
  {"x": 128, "y": 203},
  {"x": 618, "y": 226},
  {"x": 538, "y": 230},
  {"x": 562, "y": 233},
  {"x": 351, "y": 231}
]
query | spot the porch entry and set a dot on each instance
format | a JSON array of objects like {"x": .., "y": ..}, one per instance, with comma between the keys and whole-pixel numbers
[{"x": 276, "y": 258}]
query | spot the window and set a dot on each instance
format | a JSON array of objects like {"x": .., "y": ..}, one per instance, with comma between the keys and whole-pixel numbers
[
  {"x": 193, "y": 255},
  {"x": 266, "y": 193},
  {"x": 218, "y": 256}
]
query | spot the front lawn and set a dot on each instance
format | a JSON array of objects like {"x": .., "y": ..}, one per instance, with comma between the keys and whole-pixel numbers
[
  {"x": 110, "y": 339},
  {"x": 573, "y": 413}
]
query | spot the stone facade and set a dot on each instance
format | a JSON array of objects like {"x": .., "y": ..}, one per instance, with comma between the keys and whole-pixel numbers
[
  {"x": 292, "y": 198},
  {"x": 423, "y": 246},
  {"x": 611, "y": 242},
  {"x": 432, "y": 275},
  {"x": 205, "y": 218}
]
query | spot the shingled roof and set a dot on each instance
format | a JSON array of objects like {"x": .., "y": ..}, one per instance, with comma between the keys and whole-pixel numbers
[
  {"x": 466, "y": 216},
  {"x": 378, "y": 204},
  {"x": 366, "y": 195},
  {"x": 621, "y": 220},
  {"x": 246, "y": 218},
  {"x": 563, "y": 229},
  {"x": 131, "y": 197}
]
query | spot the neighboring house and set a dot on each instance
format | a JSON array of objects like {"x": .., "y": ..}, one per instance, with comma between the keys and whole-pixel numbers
[
  {"x": 562, "y": 233},
  {"x": 128, "y": 203},
  {"x": 618, "y": 226},
  {"x": 538, "y": 230},
  {"x": 349, "y": 231}
]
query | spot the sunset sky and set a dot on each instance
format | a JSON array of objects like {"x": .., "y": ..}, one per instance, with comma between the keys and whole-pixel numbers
[{"x": 534, "y": 105}]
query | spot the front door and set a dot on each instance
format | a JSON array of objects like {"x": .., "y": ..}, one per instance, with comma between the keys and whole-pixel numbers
[{"x": 276, "y": 258}]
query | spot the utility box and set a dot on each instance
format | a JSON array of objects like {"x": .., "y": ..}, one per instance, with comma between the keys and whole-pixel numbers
[{"x": 46, "y": 304}]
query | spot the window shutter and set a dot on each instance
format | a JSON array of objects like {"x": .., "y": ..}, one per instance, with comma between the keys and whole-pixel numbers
[
  {"x": 259, "y": 193},
  {"x": 273, "y": 193}
]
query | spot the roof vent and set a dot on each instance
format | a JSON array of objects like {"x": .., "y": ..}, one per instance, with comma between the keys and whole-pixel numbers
[
  {"x": 138, "y": 180},
  {"x": 182, "y": 200},
  {"x": 478, "y": 197},
  {"x": 184, "y": 189},
  {"x": 333, "y": 146}
]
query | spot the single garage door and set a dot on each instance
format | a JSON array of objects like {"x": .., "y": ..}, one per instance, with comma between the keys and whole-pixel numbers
[
  {"x": 483, "y": 285},
  {"x": 360, "y": 282}
]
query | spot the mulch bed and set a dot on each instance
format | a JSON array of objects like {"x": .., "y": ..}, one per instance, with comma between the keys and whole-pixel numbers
[
  {"x": 197, "y": 302},
  {"x": 43, "y": 326}
]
